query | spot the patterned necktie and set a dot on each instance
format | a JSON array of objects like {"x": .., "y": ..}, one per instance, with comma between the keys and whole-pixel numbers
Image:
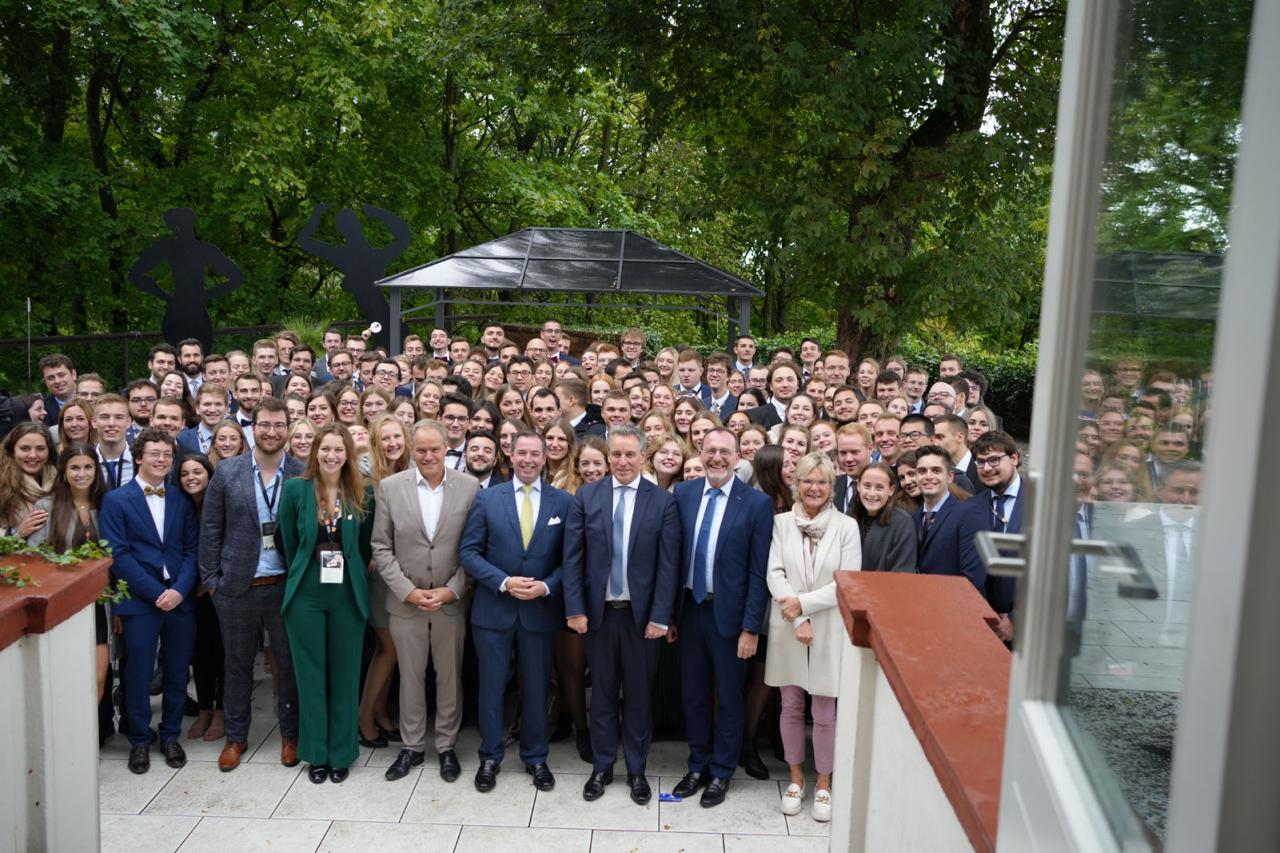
[
  {"x": 148, "y": 491},
  {"x": 617, "y": 568},
  {"x": 526, "y": 515},
  {"x": 928, "y": 522},
  {"x": 997, "y": 507}
]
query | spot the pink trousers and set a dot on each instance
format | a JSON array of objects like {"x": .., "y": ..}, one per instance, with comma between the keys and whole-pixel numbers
[{"x": 824, "y": 728}]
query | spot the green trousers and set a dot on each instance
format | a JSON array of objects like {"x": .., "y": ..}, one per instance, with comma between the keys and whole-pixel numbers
[{"x": 326, "y": 637}]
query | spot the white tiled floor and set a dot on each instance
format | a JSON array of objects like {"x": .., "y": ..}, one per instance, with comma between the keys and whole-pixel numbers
[{"x": 262, "y": 806}]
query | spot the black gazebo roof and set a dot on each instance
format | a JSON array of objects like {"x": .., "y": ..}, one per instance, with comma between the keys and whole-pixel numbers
[{"x": 574, "y": 259}]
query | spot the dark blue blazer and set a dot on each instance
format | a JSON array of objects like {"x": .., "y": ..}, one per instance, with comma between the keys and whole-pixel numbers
[
  {"x": 949, "y": 549},
  {"x": 491, "y": 551},
  {"x": 742, "y": 554},
  {"x": 653, "y": 553},
  {"x": 704, "y": 394},
  {"x": 138, "y": 557},
  {"x": 1002, "y": 592},
  {"x": 730, "y": 406},
  {"x": 52, "y": 408},
  {"x": 189, "y": 441}
]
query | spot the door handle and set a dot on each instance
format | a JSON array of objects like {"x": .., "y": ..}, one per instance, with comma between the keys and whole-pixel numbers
[
  {"x": 993, "y": 548},
  {"x": 1004, "y": 555}
]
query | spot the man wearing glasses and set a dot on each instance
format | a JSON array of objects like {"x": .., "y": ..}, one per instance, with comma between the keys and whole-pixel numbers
[
  {"x": 243, "y": 570},
  {"x": 552, "y": 333},
  {"x": 723, "y": 402},
  {"x": 944, "y": 395},
  {"x": 632, "y": 343},
  {"x": 997, "y": 460},
  {"x": 455, "y": 415},
  {"x": 152, "y": 530}
]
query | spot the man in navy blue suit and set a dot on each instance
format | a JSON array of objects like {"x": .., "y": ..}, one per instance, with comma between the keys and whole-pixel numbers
[
  {"x": 726, "y": 529},
  {"x": 722, "y": 402},
  {"x": 689, "y": 371},
  {"x": 512, "y": 547},
  {"x": 153, "y": 535},
  {"x": 996, "y": 456},
  {"x": 621, "y": 569},
  {"x": 946, "y": 524}
]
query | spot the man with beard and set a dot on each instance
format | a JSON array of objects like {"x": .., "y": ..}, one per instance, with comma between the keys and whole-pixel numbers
[
  {"x": 482, "y": 456},
  {"x": 191, "y": 363},
  {"x": 996, "y": 458}
]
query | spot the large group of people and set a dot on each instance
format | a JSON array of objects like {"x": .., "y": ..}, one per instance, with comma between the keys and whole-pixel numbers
[{"x": 467, "y": 509}]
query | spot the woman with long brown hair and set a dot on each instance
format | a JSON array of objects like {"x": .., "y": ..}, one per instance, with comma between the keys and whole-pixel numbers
[
  {"x": 325, "y": 527},
  {"x": 28, "y": 470},
  {"x": 75, "y": 425}
]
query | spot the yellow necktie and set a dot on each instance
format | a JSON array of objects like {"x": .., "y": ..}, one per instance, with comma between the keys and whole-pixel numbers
[{"x": 526, "y": 515}]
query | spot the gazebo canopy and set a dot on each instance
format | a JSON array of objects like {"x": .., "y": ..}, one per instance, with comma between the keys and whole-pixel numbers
[{"x": 535, "y": 262}]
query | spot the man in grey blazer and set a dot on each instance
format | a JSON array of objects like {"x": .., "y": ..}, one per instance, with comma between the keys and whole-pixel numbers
[
  {"x": 244, "y": 572},
  {"x": 416, "y": 527}
]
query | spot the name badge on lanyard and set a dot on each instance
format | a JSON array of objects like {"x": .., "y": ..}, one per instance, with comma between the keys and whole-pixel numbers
[
  {"x": 269, "y": 526},
  {"x": 332, "y": 565}
]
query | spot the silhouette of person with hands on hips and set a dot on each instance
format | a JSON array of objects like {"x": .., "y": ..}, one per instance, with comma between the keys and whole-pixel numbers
[
  {"x": 185, "y": 314},
  {"x": 361, "y": 263}
]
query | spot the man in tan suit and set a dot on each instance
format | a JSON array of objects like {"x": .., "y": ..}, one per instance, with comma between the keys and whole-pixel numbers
[{"x": 418, "y": 521}]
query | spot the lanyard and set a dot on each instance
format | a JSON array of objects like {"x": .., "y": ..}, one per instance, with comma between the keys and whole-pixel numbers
[
  {"x": 269, "y": 499},
  {"x": 331, "y": 521}
]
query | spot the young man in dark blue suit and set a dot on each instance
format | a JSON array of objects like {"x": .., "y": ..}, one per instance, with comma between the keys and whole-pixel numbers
[
  {"x": 947, "y": 524},
  {"x": 995, "y": 455},
  {"x": 512, "y": 547},
  {"x": 727, "y": 527},
  {"x": 153, "y": 535},
  {"x": 621, "y": 569}
]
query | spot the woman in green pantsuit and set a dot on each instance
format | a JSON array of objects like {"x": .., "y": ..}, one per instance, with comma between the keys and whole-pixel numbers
[{"x": 325, "y": 527}]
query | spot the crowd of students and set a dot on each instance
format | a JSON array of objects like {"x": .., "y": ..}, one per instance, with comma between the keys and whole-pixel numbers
[{"x": 466, "y": 505}]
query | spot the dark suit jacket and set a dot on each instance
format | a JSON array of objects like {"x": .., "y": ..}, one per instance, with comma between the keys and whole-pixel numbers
[
  {"x": 491, "y": 551},
  {"x": 1002, "y": 592},
  {"x": 591, "y": 423},
  {"x": 138, "y": 555},
  {"x": 653, "y": 553},
  {"x": 948, "y": 549},
  {"x": 704, "y": 394},
  {"x": 52, "y": 408},
  {"x": 741, "y": 560},
  {"x": 189, "y": 441},
  {"x": 730, "y": 406},
  {"x": 765, "y": 415},
  {"x": 300, "y": 529},
  {"x": 230, "y": 537},
  {"x": 841, "y": 491}
]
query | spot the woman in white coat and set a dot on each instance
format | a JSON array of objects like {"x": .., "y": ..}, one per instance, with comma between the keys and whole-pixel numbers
[{"x": 806, "y": 633}]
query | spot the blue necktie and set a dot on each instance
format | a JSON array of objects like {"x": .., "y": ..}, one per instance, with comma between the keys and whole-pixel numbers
[
  {"x": 1001, "y": 518},
  {"x": 700, "y": 550},
  {"x": 616, "y": 567}
]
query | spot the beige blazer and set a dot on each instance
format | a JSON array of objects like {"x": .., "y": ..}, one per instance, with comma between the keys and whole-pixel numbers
[
  {"x": 815, "y": 668},
  {"x": 404, "y": 556}
]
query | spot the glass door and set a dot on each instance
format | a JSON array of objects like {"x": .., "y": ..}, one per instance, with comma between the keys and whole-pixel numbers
[{"x": 1148, "y": 131}]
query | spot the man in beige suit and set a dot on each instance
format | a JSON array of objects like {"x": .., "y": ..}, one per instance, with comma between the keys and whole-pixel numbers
[{"x": 416, "y": 526}]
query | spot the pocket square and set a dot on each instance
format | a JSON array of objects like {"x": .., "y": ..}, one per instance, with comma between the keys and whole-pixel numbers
[{"x": 555, "y": 519}]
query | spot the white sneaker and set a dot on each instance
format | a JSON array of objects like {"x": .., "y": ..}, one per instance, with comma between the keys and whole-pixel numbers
[
  {"x": 822, "y": 806},
  {"x": 792, "y": 799}
]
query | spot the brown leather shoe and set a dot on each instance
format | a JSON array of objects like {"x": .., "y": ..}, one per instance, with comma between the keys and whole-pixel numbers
[
  {"x": 230, "y": 757},
  {"x": 289, "y": 752}
]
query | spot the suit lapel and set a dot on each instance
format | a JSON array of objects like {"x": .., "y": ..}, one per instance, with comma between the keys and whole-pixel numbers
[
  {"x": 937, "y": 521},
  {"x": 507, "y": 499},
  {"x": 731, "y": 509},
  {"x": 414, "y": 499},
  {"x": 144, "y": 511},
  {"x": 544, "y": 515},
  {"x": 644, "y": 494}
]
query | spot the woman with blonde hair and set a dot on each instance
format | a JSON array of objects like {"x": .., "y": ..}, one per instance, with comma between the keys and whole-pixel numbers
[
  {"x": 665, "y": 361},
  {"x": 228, "y": 441},
  {"x": 75, "y": 425},
  {"x": 373, "y": 402},
  {"x": 655, "y": 424},
  {"x": 663, "y": 399},
  {"x": 664, "y": 460},
  {"x": 1129, "y": 456},
  {"x": 865, "y": 378},
  {"x": 806, "y": 631},
  {"x": 28, "y": 471},
  {"x": 301, "y": 439},
  {"x": 561, "y": 444},
  {"x": 427, "y": 400}
]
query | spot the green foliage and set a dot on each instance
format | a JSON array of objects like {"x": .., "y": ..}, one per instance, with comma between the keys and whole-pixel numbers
[
  {"x": 1011, "y": 377},
  {"x": 115, "y": 594},
  {"x": 10, "y": 545},
  {"x": 11, "y": 576}
]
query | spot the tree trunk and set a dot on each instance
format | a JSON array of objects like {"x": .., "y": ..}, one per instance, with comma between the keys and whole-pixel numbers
[
  {"x": 98, "y": 126},
  {"x": 854, "y": 338}
]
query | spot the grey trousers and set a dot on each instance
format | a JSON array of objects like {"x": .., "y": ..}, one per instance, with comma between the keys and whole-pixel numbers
[
  {"x": 243, "y": 620},
  {"x": 420, "y": 639}
]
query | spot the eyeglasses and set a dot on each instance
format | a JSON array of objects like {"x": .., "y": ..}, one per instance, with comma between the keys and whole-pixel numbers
[
  {"x": 160, "y": 455},
  {"x": 940, "y": 396},
  {"x": 348, "y": 404},
  {"x": 990, "y": 461},
  {"x": 143, "y": 399},
  {"x": 914, "y": 434},
  {"x": 270, "y": 427},
  {"x": 395, "y": 374},
  {"x": 454, "y": 419}
]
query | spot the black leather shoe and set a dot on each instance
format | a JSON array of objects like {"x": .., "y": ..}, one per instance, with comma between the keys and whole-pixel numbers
[
  {"x": 689, "y": 785},
  {"x": 487, "y": 775},
  {"x": 584, "y": 747},
  {"x": 714, "y": 795},
  {"x": 390, "y": 735},
  {"x": 317, "y": 773},
  {"x": 542, "y": 778},
  {"x": 140, "y": 758},
  {"x": 751, "y": 763},
  {"x": 338, "y": 775},
  {"x": 373, "y": 743},
  {"x": 450, "y": 769},
  {"x": 594, "y": 789},
  {"x": 641, "y": 793},
  {"x": 405, "y": 761},
  {"x": 173, "y": 754}
]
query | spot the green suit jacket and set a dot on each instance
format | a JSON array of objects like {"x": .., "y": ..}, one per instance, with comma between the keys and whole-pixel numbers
[{"x": 299, "y": 529}]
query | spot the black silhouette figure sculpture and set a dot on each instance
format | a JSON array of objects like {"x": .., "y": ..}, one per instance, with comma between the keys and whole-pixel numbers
[
  {"x": 361, "y": 263},
  {"x": 186, "y": 314}
]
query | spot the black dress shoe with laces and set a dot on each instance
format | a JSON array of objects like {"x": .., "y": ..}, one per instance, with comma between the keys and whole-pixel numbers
[
  {"x": 542, "y": 778},
  {"x": 450, "y": 769},
  {"x": 641, "y": 793},
  {"x": 173, "y": 754},
  {"x": 487, "y": 775},
  {"x": 689, "y": 785},
  {"x": 140, "y": 758},
  {"x": 317, "y": 773},
  {"x": 594, "y": 789},
  {"x": 337, "y": 775},
  {"x": 714, "y": 794},
  {"x": 405, "y": 761}
]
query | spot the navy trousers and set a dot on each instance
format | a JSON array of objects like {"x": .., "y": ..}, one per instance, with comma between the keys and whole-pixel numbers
[
  {"x": 621, "y": 659},
  {"x": 535, "y": 651},
  {"x": 709, "y": 662},
  {"x": 175, "y": 633}
]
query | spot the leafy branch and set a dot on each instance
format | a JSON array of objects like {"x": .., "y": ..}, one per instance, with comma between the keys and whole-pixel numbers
[
  {"x": 11, "y": 545},
  {"x": 114, "y": 595},
  {"x": 13, "y": 577}
]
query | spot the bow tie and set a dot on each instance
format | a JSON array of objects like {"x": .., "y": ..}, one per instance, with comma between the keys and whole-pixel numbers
[
  {"x": 453, "y": 453},
  {"x": 148, "y": 491}
]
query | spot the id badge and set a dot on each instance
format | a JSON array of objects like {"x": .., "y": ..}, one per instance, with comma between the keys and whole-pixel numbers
[
  {"x": 269, "y": 535},
  {"x": 332, "y": 565}
]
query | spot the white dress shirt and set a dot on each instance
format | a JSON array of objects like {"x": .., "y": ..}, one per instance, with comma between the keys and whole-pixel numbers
[
  {"x": 430, "y": 501},
  {"x": 628, "y": 495},
  {"x": 155, "y": 503}
]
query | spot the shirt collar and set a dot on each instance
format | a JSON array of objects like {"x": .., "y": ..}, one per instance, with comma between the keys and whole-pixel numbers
[
  {"x": 1015, "y": 485},
  {"x": 422, "y": 481},
  {"x": 946, "y": 496},
  {"x": 519, "y": 486}
]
